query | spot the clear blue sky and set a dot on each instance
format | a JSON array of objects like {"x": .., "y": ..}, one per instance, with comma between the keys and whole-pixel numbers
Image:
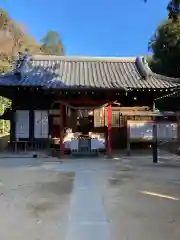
[{"x": 92, "y": 27}]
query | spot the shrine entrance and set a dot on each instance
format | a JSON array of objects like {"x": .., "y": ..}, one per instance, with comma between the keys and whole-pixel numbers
[{"x": 72, "y": 129}]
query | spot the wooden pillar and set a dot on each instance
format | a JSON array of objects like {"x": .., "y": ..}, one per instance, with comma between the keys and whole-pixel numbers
[
  {"x": 128, "y": 140},
  {"x": 61, "y": 128},
  {"x": 109, "y": 115},
  {"x": 154, "y": 146},
  {"x": 178, "y": 129},
  {"x": 13, "y": 123},
  {"x": 73, "y": 120}
]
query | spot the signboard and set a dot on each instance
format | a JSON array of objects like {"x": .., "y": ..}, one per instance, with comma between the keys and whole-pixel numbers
[{"x": 143, "y": 130}]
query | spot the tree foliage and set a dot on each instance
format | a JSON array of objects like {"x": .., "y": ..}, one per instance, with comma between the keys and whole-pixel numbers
[
  {"x": 173, "y": 9},
  {"x": 14, "y": 38},
  {"x": 165, "y": 45},
  {"x": 52, "y": 44}
]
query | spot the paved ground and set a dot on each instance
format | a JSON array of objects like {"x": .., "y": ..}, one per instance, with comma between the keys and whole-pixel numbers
[{"x": 110, "y": 199}]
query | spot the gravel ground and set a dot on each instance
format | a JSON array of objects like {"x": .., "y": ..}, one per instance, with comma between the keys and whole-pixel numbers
[
  {"x": 85, "y": 199},
  {"x": 34, "y": 204},
  {"x": 137, "y": 203}
]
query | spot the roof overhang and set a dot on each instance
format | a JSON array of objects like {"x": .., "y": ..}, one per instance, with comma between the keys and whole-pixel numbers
[{"x": 64, "y": 73}]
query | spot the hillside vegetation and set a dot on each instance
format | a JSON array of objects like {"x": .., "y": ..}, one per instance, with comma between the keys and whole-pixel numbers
[{"x": 14, "y": 38}]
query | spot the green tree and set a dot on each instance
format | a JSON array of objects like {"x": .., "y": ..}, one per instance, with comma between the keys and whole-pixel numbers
[
  {"x": 173, "y": 9},
  {"x": 51, "y": 44},
  {"x": 14, "y": 38},
  {"x": 165, "y": 45},
  {"x": 11, "y": 31}
]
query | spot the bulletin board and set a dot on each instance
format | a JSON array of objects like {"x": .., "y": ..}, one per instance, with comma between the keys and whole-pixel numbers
[{"x": 143, "y": 130}]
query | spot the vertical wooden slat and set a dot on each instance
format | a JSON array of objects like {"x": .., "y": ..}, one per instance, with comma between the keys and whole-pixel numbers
[
  {"x": 178, "y": 129},
  {"x": 31, "y": 124},
  {"x": 73, "y": 121},
  {"x": 99, "y": 118},
  {"x": 109, "y": 113},
  {"x": 154, "y": 148},
  {"x": 61, "y": 129},
  {"x": 128, "y": 140},
  {"x": 13, "y": 123}
]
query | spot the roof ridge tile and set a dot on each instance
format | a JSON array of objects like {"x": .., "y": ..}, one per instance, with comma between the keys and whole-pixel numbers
[{"x": 82, "y": 58}]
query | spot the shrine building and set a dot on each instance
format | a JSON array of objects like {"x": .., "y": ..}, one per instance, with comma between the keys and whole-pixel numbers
[{"x": 48, "y": 91}]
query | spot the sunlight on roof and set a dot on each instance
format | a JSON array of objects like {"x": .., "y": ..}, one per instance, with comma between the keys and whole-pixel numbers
[{"x": 159, "y": 195}]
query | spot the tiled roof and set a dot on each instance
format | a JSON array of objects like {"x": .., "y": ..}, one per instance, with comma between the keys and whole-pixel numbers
[
  {"x": 87, "y": 72},
  {"x": 9, "y": 79}
]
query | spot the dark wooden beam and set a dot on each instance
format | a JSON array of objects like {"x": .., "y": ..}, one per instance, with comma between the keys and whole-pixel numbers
[{"x": 85, "y": 101}]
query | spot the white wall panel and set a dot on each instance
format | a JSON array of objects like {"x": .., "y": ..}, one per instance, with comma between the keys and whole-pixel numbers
[
  {"x": 41, "y": 126},
  {"x": 22, "y": 124}
]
